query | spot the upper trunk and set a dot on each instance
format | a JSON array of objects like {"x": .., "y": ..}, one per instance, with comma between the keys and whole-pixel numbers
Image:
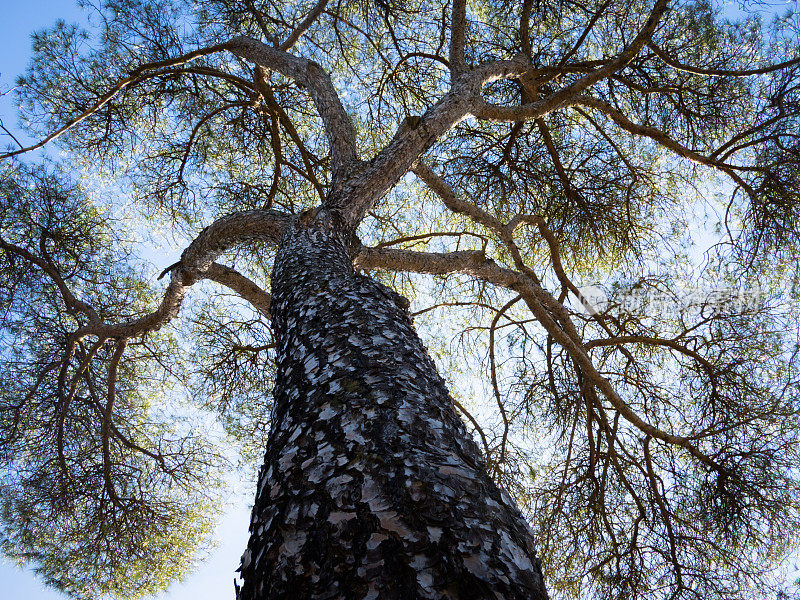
[{"x": 371, "y": 485}]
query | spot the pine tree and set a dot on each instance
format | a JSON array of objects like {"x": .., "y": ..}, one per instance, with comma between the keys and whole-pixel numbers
[{"x": 321, "y": 162}]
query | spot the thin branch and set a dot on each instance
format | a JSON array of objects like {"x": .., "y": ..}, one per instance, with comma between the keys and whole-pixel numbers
[
  {"x": 262, "y": 24},
  {"x": 665, "y": 140},
  {"x": 589, "y": 26},
  {"x": 744, "y": 134},
  {"x": 719, "y": 72},
  {"x": 451, "y": 200},
  {"x": 197, "y": 128},
  {"x": 65, "y": 399},
  {"x": 277, "y": 152},
  {"x": 541, "y": 303},
  {"x": 11, "y": 135},
  {"x": 74, "y": 305},
  {"x": 653, "y": 341},
  {"x": 493, "y": 367},
  {"x": 477, "y": 427},
  {"x": 553, "y": 152},
  {"x": 264, "y": 88},
  {"x": 135, "y": 76},
  {"x": 446, "y": 304},
  {"x": 665, "y": 514},
  {"x": 105, "y": 430},
  {"x": 427, "y": 236}
]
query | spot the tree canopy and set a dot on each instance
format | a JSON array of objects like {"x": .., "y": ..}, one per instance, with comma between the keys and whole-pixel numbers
[{"x": 509, "y": 154}]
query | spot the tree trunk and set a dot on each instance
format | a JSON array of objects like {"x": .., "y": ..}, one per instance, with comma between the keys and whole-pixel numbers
[{"x": 371, "y": 486}]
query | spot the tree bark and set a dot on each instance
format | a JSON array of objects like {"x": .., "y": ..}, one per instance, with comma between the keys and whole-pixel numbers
[{"x": 371, "y": 486}]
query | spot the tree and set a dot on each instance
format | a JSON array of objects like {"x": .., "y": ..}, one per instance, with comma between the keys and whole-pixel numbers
[{"x": 654, "y": 452}]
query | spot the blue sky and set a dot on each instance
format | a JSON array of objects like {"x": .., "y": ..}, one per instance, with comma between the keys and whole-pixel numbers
[{"x": 214, "y": 578}]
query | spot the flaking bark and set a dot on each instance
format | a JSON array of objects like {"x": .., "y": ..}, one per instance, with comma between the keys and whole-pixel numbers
[{"x": 371, "y": 486}]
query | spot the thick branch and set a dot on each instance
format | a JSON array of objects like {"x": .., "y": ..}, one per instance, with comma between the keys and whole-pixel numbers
[
  {"x": 525, "y": 27},
  {"x": 197, "y": 259},
  {"x": 312, "y": 16},
  {"x": 458, "y": 37},
  {"x": 564, "y": 97},
  {"x": 242, "y": 285},
  {"x": 338, "y": 126},
  {"x": 196, "y": 263},
  {"x": 414, "y": 137},
  {"x": 477, "y": 265}
]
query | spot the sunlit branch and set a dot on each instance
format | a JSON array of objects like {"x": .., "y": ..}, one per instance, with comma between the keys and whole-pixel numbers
[
  {"x": 307, "y": 22},
  {"x": 338, "y": 126},
  {"x": 412, "y": 139},
  {"x": 196, "y": 263},
  {"x": 527, "y": 112},
  {"x": 224, "y": 233}
]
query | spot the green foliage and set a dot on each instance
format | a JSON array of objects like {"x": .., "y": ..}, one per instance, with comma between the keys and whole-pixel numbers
[{"x": 100, "y": 507}]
